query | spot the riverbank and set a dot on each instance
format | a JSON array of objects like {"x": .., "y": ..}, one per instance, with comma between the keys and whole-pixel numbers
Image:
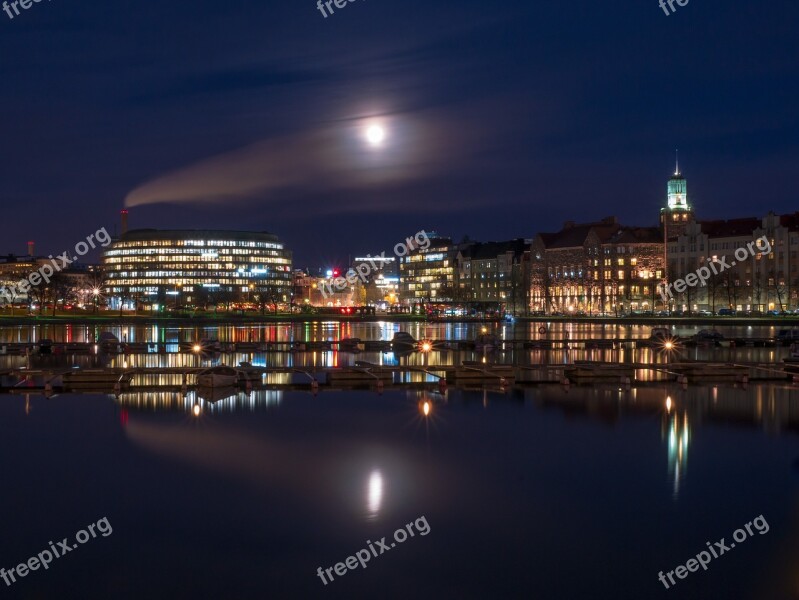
[{"x": 251, "y": 318}]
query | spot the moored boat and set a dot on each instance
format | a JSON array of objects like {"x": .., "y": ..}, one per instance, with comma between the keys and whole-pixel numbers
[
  {"x": 221, "y": 376},
  {"x": 350, "y": 345}
]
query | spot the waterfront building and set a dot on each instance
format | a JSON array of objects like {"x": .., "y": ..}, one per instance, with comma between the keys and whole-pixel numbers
[
  {"x": 74, "y": 285},
  {"x": 428, "y": 275},
  {"x": 14, "y": 269},
  {"x": 495, "y": 275},
  {"x": 197, "y": 268},
  {"x": 761, "y": 282},
  {"x": 592, "y": 268}
]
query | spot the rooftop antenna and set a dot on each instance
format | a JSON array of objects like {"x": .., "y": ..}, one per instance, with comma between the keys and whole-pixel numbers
[{"x": 677, "y": 162}]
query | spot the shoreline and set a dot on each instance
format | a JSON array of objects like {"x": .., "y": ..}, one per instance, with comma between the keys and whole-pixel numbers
[{"x": 227, "y": 319}]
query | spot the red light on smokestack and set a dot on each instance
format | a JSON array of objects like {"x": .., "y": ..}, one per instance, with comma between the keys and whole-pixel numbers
[
  {"x": 31, "y": 247},
  {"x": 124, "y": 215}
]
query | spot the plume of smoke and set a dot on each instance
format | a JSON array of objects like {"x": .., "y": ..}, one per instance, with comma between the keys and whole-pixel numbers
[{"x": 334, "y": 157}]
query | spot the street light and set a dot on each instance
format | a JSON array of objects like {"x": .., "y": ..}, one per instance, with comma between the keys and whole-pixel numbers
[{"x": 95, "y": 293}]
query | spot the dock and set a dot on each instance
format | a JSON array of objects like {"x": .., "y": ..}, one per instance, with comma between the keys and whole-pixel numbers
[{"x": 363, "y": 374}]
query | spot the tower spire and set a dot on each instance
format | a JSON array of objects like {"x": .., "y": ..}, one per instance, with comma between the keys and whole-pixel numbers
[{"x": 677, "y": 162}]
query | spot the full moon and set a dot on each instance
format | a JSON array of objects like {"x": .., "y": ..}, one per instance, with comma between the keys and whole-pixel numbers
[{"x": 375, "y": 135}]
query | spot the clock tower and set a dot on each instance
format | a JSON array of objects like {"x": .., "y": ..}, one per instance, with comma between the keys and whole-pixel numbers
[{"x": 678, "y": 213}]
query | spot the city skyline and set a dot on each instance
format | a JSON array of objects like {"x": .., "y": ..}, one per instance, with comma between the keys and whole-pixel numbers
[
  {"x": 520, "y": 131},
  {"x": 339, "y": 257}
]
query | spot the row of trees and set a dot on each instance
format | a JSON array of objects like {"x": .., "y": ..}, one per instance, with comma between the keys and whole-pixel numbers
[
  {"x": 728, "y": 290},
  {"x": 204, "y": 298},
  {"x": 64, "y": 289}
]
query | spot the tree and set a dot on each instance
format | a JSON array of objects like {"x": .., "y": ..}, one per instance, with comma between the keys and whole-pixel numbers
[{"x": 715, "y": 287}]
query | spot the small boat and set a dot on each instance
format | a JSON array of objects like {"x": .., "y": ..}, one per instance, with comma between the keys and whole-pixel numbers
[
  {"x": 109, "y": 343},
  {"x": 787, "y": 336},
  {"x": 95, "y": 379},
  {"x": 350, "y": 345},
  {"x": 660, "y": 334},
  {"x": 248, "y": 373},
  {"x": 403, "y": 341},
  {"x": 215, "y": 377},
  {"x": 377, "y": 346},
  {"x": 215, "y": 394},
  {"x": 708, "y": 335}
]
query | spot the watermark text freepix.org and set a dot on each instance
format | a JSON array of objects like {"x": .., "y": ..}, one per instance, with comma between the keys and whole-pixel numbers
[
  {"x": 365, "y": 555},
  {"x": 717, "y": 266},
  {"x": 717, "y": 549},
  {"x": 26, "y": 4},
  {"x": 671, "y": 3},
  {"x": 45, "y": 557},
  {"x": 363, "y": 270},
  {"x": 10, "y": 293},
  {"x": 329, "y": 4}
]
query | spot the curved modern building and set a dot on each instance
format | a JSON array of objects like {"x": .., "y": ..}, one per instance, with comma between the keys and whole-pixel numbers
[{"x": 197, "y": 266}]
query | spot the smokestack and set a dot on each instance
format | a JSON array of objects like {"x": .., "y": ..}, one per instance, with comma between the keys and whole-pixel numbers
[
  {"x": 124, "y": 216},
  {"x": 31, "y": 246}
]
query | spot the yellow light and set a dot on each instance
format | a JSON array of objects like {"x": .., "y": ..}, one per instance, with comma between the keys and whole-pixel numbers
[
  {"x": 196, "y": 410},
  {"x": 668, "y": 403},
  {"x": 485, "y": 330},
  {"x": 669, "y": 345},
  {"x": 197, "y": 347},
  {"x": 426, "y": 346},
  {"x": 426, "y": 408}
]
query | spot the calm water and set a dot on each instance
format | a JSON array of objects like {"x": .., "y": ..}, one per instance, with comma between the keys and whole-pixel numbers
[
  {"x": 540, "y": 493},
  {"x": 169, "y": 337}
]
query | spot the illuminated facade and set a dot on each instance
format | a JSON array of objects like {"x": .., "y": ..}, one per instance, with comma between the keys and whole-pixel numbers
[
  {"x": 197, "y": 267},
  {"x": 759, "y": 283},
  {"x": 496, "y": 273},
  {"x": 596, "y": 268},
  {"x": 678, "y": 214},
  {"x": 429, "y": 274}
]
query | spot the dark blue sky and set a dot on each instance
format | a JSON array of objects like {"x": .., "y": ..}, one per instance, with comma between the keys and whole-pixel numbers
[{"x": 503, "y": 119}]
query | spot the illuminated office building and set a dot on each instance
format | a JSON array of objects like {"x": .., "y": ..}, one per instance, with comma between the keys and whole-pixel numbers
[
  {"x": 184, "y": 267},
  {"x": 429, "y": 274}
]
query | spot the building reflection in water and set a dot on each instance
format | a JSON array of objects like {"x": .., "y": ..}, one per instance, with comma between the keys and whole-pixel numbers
[
  {"x": 199, "y": 402},
  {"x": 677, "y": 433}
]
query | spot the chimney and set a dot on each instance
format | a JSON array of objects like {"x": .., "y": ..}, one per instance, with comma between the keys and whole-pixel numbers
[
  {"x": 124, "y": 217},
  {"x": 568, "y": 225},
  {"x": 31, "y": 246}
]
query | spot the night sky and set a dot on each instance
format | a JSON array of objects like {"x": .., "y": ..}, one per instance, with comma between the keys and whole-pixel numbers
[{"x": 502, "y": 119}]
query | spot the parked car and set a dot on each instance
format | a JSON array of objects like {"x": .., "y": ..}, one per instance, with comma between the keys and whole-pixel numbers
[
  {"x": 704, "y": 313},
  {"x": 726, "y": 312}
]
